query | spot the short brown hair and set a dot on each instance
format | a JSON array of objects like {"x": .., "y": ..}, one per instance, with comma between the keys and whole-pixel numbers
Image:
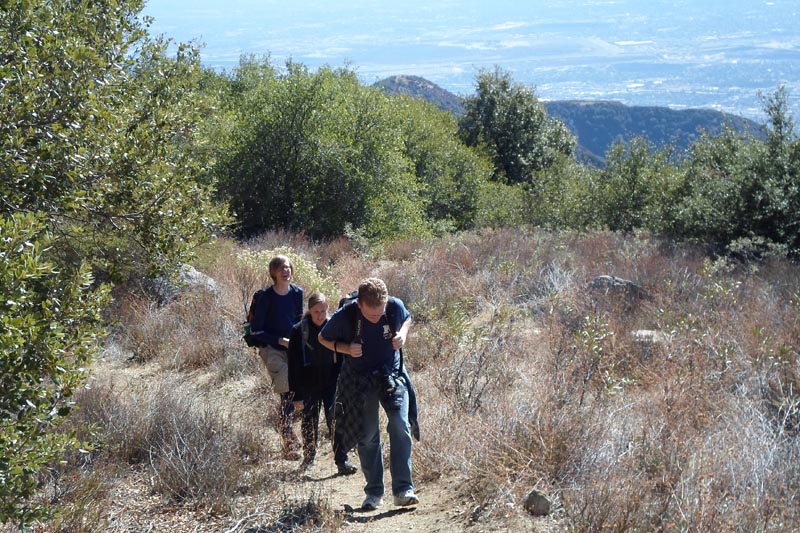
[
  {"x": 372, "y": 292},
  {"x": 277, "y": 262}
]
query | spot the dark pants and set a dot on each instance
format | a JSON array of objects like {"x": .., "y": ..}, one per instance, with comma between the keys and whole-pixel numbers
[
  {"x": 286, "y": 410},
  {"x": 310, "y": 424}
]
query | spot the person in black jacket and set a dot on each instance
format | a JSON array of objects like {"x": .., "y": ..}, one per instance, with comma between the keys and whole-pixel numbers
[{"x": 313, "y": 372}]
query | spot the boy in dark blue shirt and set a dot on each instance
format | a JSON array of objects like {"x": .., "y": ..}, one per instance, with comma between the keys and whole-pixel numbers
[
  {"x": 370, "y": 334},
  {"x": 278, "y": 310}
]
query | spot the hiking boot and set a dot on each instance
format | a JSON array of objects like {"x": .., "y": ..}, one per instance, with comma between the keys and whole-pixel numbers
[
  {"x": 346, "y": 468},
  {"x": 406, "y": 498},
  {"x": 371, "y": 503}
]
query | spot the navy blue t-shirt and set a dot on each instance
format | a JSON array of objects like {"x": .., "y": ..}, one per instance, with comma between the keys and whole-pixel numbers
[
  {"x": 277, "y": 314},
  {"x": 376, "y": 339}
]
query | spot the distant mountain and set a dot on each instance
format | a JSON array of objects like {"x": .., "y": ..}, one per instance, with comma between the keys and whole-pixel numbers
[
  {"x": 598, "y": 125},
  {"x": 424, "y": 89}
]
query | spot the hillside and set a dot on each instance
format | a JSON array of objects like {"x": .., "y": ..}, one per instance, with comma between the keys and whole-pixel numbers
[
  {"x": 600, "y": 124},
  {"x": 421, "y": 88},
  {"x": 616, "y": 396}
]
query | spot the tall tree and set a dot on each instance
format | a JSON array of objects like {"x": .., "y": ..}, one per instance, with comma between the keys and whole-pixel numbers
[
  {"x": 319, "y": 152},
  {"x": 741, "y": 193},
  {"x": 96, "y": 125},
  {"x": 99, "y": 176},
  {"x": 508, "y": 121},
  {"x": 49, "y": 324}
]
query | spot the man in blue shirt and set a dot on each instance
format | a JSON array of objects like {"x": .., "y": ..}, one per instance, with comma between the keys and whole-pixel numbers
[{"x": 370, "y": 333}]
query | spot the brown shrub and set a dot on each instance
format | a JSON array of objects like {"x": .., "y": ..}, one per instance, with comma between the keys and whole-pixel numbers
[{"x": 528, "y": 379}]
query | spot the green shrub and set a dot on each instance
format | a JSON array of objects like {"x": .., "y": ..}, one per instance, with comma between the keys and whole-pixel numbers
[
  {"x": 49, "y": 326},
  {"x": 254, "y": 266}
]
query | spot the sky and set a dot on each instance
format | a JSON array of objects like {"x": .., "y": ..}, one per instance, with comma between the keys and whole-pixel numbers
[{"x": 702, "y": 53}]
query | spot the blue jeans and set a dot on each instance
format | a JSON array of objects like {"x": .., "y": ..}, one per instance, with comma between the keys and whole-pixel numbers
[{"x": 369, "y": 448}]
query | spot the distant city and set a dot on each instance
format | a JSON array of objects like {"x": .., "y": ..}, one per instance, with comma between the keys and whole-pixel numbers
[{"x": 714, "y": 54}]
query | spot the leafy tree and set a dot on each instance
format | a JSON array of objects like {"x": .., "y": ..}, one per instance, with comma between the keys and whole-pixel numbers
[
  {"x": 743, "y": 193},
  {"x": 321, "y": 153},
  {"x": 501, "y": 205},
  {"x": 566, "y": 195},
  {"x": 100, "y": 175},
  {"x": 96, "y": 126},
  {"x": 303, "y": 150},
  {"x": 452, "y": 176},
  {"x": 780, "y": 168},
  {"x": 631, "y": 186},
  {"x": 511, "y": 124},
  {"x": 49, "y": 323}
]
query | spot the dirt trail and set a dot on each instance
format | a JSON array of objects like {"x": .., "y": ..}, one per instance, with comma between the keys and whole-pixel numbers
[
  {"x": 438, "y": 510},
  {"x": 131, "y": 506}
]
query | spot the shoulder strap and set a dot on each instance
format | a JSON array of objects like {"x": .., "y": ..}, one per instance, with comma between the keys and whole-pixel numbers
[
  {"x": 350, "y": 310},
  {"x": 304, "y": 336},
  {"x": 393, "y": 318},
  {"x": 298, "y": 299}
]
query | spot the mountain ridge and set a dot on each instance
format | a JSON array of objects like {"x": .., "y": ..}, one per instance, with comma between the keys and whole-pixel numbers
[{"x": 597, "y": 124}]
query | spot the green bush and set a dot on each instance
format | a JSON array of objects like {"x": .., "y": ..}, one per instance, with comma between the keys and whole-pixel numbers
[
  {"x": 49, "y": 327},
  {"x": 255, "y": 266}
]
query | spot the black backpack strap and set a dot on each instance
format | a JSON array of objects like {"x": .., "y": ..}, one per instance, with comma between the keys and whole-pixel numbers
[
  {"x": 298, "y": 301},
  {"x": 392, "y": 318},
  {"x": 304, "y": 341},
  {"x": 351, "y": 311}
]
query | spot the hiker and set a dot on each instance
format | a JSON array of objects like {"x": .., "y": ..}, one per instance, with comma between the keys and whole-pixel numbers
[
  {"x": 277, "y": 311},
  {"x": 371, "y": 332},
  {"x": 313, "y": 371}
]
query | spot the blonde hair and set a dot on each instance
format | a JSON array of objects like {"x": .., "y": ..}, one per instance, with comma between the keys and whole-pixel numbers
[{"x": 372, "y": 292}]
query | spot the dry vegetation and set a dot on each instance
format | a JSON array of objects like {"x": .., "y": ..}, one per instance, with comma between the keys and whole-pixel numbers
[{"x": 526, "y": 377}]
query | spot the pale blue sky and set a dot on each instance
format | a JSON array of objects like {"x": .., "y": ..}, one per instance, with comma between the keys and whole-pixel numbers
[{"x": 702, "y": 53}]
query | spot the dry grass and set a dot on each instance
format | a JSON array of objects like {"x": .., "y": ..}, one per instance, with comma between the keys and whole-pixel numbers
[{"x": 526, "y": 379}]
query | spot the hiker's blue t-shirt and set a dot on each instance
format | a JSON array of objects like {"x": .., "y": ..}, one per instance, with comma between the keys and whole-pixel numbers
[{"x": 376, "y": 339}]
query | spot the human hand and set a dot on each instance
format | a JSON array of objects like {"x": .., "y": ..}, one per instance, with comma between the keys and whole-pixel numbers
[
  {"x": 298, "y": 405},
  {"x": 355, "y": 349},
  {"x": 398, "y": 341},
  {"x": 283, "y": 341}
]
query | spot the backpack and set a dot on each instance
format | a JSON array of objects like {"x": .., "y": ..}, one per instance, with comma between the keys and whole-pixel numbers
[
  {"x": 351, "y": 296},
  {"x": 261, "y": 294}
]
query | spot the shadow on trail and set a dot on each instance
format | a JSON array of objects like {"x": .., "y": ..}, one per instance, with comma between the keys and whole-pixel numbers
[
  {"x": 358, "y": 515},
  {"x": 291, "y": 521}
]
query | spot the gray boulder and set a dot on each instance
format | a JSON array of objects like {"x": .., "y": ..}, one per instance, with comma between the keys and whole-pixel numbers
[
  {"x": 165, "y": 290},
  {"x": 537, "y": 503},
  {"x": 608, "y": 284}
]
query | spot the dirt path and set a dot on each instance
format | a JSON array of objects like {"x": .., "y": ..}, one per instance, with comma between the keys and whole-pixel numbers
[
  {"x": 438, "y": 510},
  {"x": 133, "y": 507}
]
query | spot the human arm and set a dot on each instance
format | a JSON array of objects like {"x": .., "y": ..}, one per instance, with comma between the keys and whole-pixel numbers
[
  {"x": 352, "y": 349},
  {"x": 399, "y": 339},
  {"x": 338, "y": 328}
]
